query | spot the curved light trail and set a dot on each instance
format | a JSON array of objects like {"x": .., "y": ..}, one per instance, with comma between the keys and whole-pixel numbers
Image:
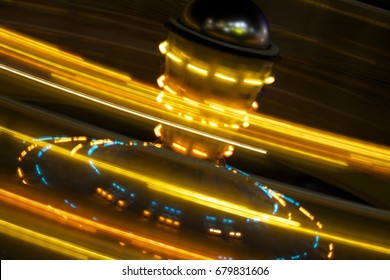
[
  {"x": 127, "y": 110},
  {"x": 266, "y": 132},
  {"x": 204, "y": 199},
  {"x": 163, "y": 187},
  {"x": 62, "y": 216}
]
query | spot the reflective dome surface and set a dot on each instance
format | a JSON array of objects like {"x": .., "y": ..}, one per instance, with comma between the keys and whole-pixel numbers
[{"x": 238, "y": 22}]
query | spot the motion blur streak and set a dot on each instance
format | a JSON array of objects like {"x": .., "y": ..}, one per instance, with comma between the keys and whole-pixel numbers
[
  {"x": 46, "y": 49},
  {"x": 52, "y": 65},
  {"x": 48, "y": 242},
  {"x": 349, "y": 14},
  {"x": 66, "y": 217},
  {"x": 129, "y": 111},
  {"x": 266, "y": 132},
  {"x": 200, "y": 198},
  {"x": 322, "y": 137},
  {"x": 106, "y": 90},
  {"x": 169, "y": 189},
  {"x": 385, "y": 249}
]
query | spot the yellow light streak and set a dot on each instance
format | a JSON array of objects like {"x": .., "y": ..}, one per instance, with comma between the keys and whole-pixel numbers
[
  {"x": 225, "y": 78},
  {"x": 281, "y": 201},
  {"x": 130, "y": 111},
  {"x": 174, "y": 58},
  {"x": 161, "y": 186},
  {"x": 168, "y": 106},
  {"x": 197, "y": 70},
  {"x": 75, "y": 149},
  {"x": 303, "y": 150},
  {"x": 63, "y": 140},
  {"x": 80, "y": 138},
  {"x": 357, "y": 243},
  {"x": 142, "y": 89},
  {"x": 376, "y": 153},
  {"x": 311, "y": 155},
  {"x": 20, "y": 172},
  {"x": 34, "y": 42},
  {"x": 50, "y": 211},
  {"x": 31, "y": 147},
  {"x": 217, "y": 107},
  {"x": 46, "y": 49},
  {"x": 322, "y": 137},
  {"x": 239, "y": 112},
  {"x": 170, "y": 90},
  {"x": 123, "y": 100},
  {"x": 253, "y": 82},
  {"x": 28, "y": 61},
  {"x": 96, "y": 142},
  {"x": 369, "y": 160},
  {"x": 208, "y": 201},
  {"x": 48, "y": 242},
  {"x": 56, "y": 67},
  {"x": 38, "y": 45},
  {"x": 105, "y": 88},
  {"x": 342, "y": 145},
  {"x": 306, "y": 213},
  {"x": 191, "y": 101}
]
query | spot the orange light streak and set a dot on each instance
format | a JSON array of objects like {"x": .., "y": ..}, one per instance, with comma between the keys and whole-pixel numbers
[
  {"x": 46, "y": 49},
  {"x": 48, "y": 242},
  {"x": 57, "y": 214}
]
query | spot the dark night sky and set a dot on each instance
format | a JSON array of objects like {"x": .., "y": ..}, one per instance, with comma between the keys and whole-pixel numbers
[{"x": 384, "y": 4}]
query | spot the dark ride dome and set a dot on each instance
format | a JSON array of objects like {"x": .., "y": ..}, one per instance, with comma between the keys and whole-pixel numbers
[{"x": 239, "y": 26}]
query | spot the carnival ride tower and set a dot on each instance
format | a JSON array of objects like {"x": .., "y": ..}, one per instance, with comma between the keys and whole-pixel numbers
[{"x": 218, "y": 56}]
